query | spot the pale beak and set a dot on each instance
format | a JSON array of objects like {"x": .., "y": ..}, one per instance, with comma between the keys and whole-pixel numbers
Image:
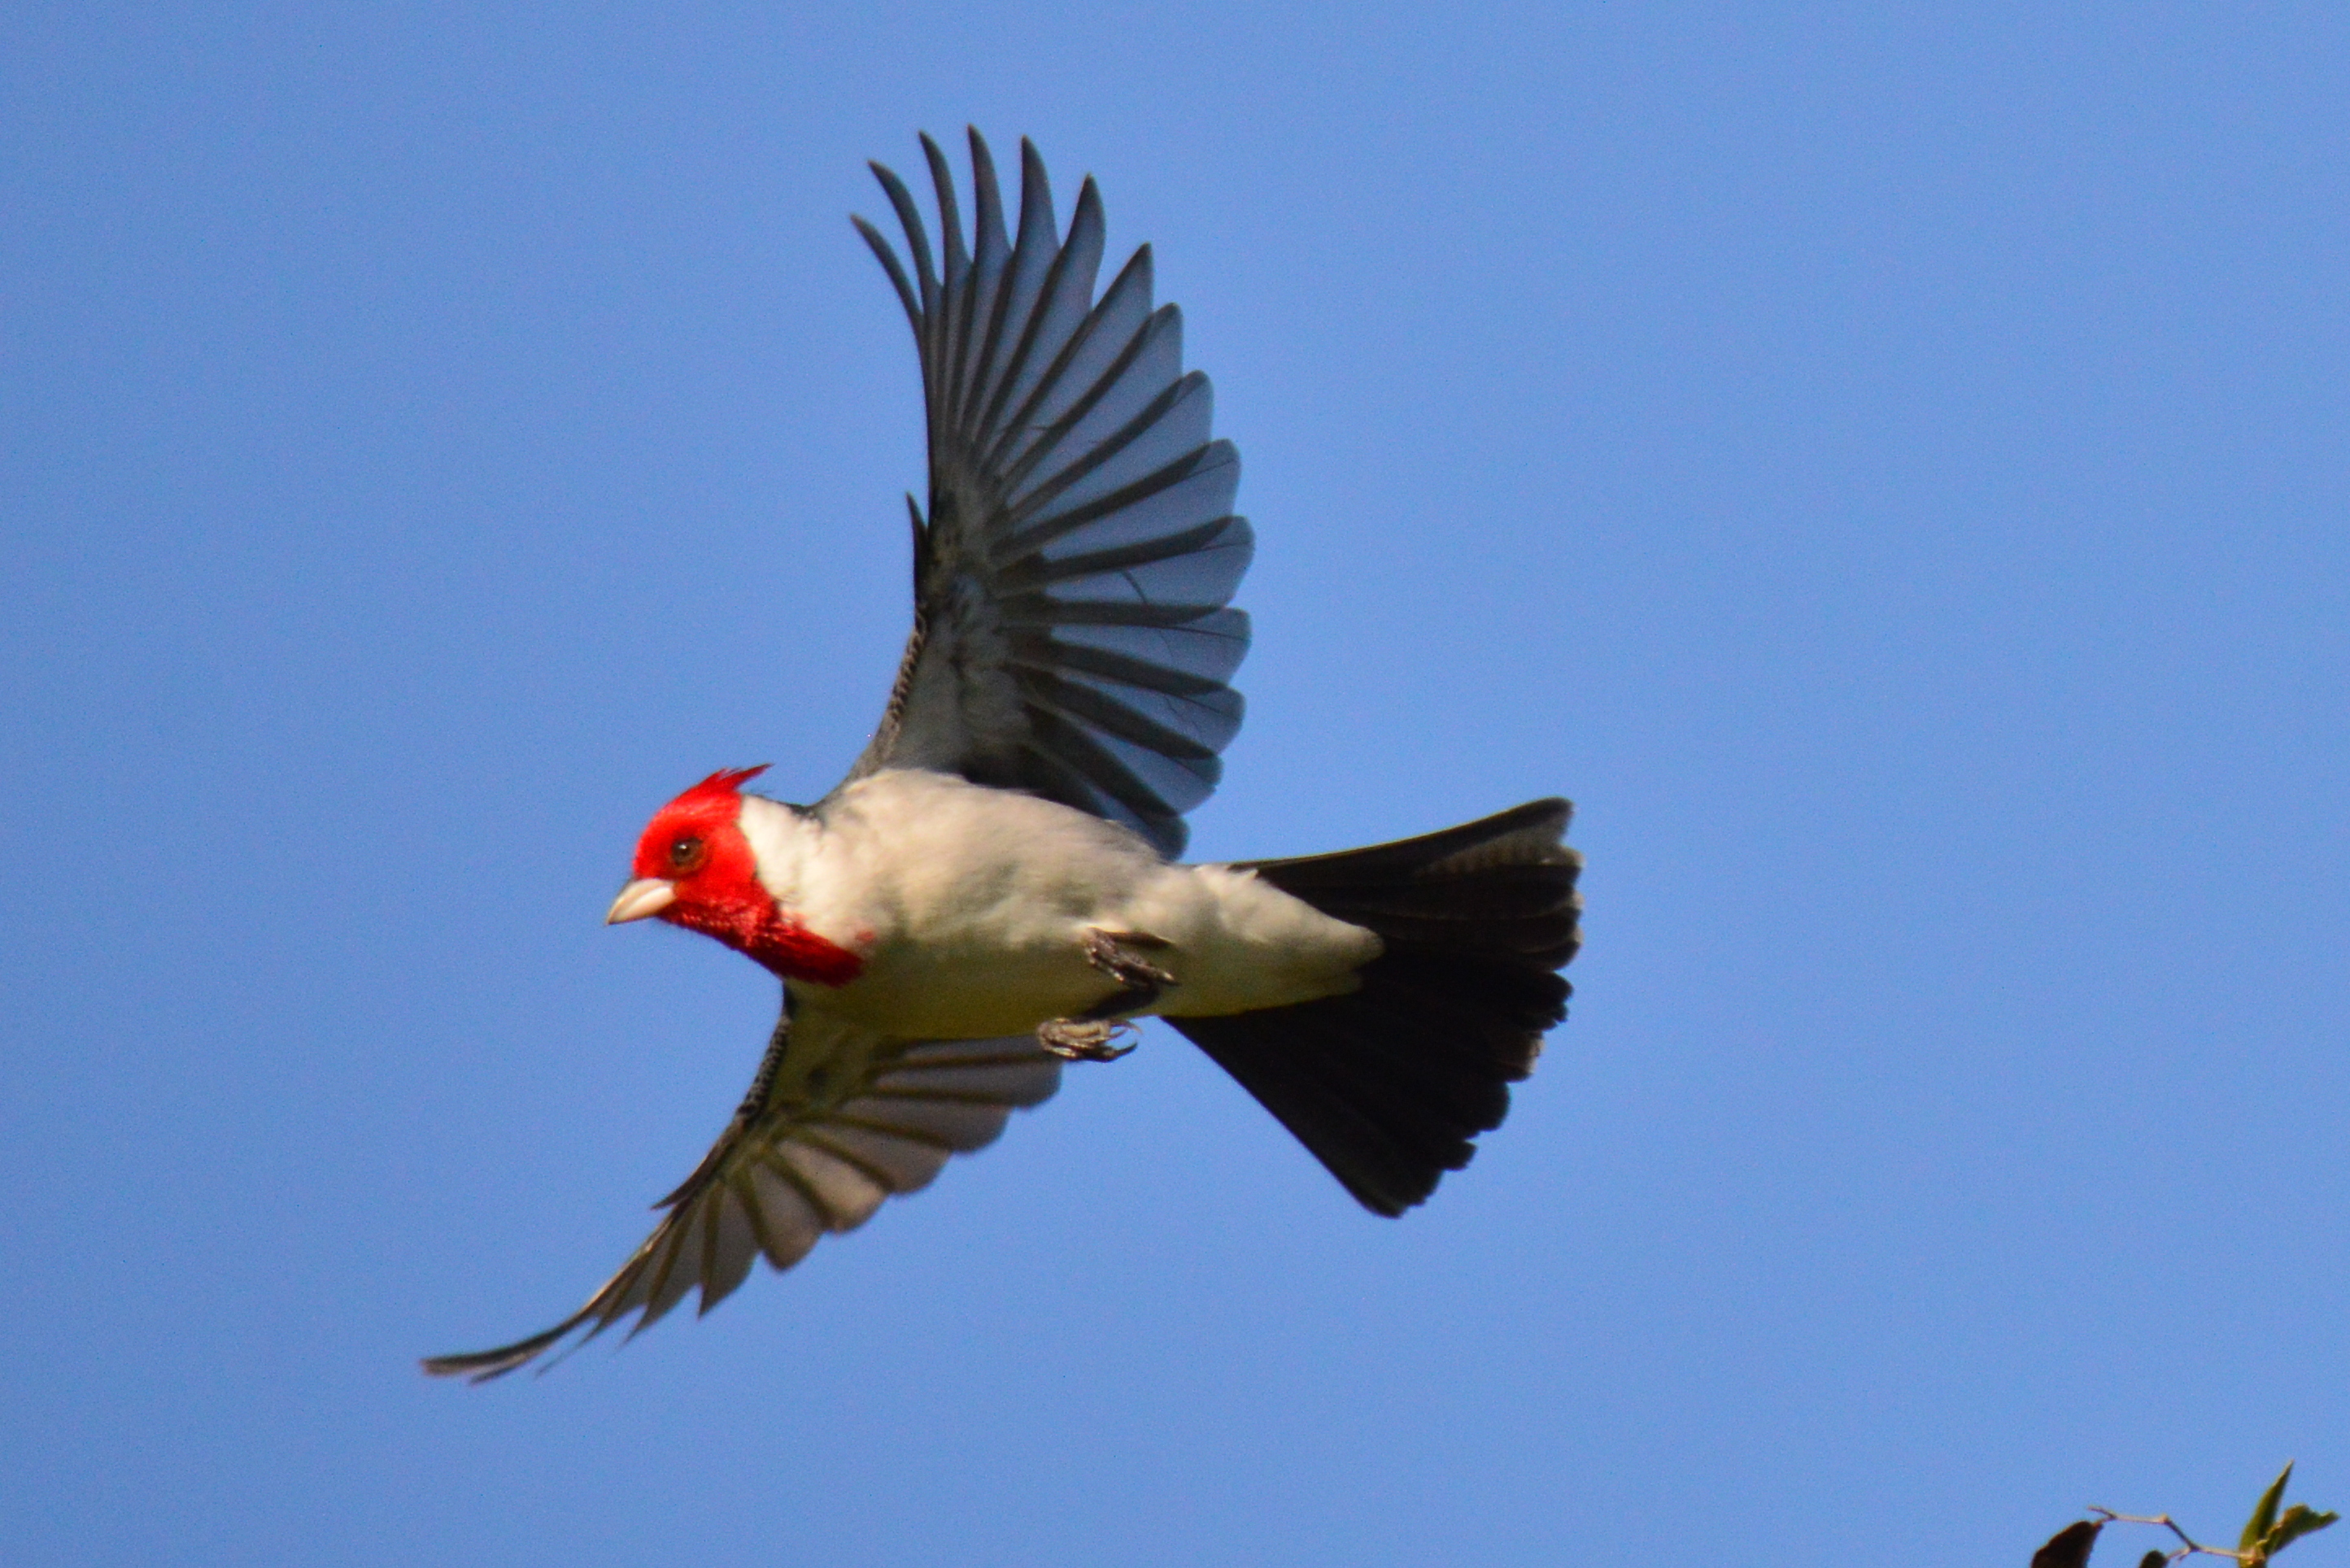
[{"x": 646, "y": 896}]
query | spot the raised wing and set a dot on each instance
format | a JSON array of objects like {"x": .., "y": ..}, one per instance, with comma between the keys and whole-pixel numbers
[
  {"x": 1072, "y": 636},
  {"x": 835, "y": 1121}
]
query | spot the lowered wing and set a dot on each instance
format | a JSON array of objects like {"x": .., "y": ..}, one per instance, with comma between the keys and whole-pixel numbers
[
  {"x": 1072, "y": 634},
  {"x": 835, "y": 1121}
]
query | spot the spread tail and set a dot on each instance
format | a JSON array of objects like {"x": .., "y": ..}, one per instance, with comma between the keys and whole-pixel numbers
[{"x": 1388, "y": 1085}]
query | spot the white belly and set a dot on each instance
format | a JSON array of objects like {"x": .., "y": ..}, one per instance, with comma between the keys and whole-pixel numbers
[{"x": 971, "y": 908}]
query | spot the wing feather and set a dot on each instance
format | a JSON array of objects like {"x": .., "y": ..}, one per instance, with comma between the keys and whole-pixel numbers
[
  {"x": 837, "y": 1120},
  {"x": 1076, "y": 493}
]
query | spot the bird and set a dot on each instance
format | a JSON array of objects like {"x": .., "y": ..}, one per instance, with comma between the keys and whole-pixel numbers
[{"x": 997, "y": 890}]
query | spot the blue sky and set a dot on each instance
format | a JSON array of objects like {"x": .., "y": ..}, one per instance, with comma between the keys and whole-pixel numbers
[{"x": 1887, "y": 463}]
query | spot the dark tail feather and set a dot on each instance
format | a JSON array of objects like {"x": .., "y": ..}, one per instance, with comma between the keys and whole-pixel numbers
[{"x": 1388, "y": 1085}]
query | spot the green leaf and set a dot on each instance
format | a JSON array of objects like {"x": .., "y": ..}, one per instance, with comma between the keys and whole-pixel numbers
[
  {"x": 2300, "y": 1520},
  {"x": 2264, "y": 1512},
  {"x": 2069, "y": 1547}
]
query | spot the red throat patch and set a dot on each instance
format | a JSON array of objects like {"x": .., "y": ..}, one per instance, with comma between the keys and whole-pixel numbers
[{"x": 695, "y": 843}]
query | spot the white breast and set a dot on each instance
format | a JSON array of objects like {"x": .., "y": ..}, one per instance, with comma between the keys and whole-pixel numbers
[{"x": 970, "y": 906}]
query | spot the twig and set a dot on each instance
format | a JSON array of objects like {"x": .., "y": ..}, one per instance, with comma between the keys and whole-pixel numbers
[{"x": 2188, "y": 1545}]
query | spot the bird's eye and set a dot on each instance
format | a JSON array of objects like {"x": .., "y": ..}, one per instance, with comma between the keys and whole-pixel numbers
[{"x": 687, "y": 854}]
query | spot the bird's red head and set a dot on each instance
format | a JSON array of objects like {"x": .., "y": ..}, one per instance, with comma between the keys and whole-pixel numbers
[
  {"x": 695, "y": 842},
  {"x": 695, "y": 868}
]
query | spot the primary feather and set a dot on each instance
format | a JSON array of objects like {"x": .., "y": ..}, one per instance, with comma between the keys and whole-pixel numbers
[
  {"x": 807, "y": 1153},
  {"x": 1072, "y": 580}
]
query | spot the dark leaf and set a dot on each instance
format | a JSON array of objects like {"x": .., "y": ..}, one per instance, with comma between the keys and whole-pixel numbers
[
  {"x": 2069, "y": 1547},
  {"x": 2153, "y": 1560},
  {"x": 2300, "y": 1520},
  {"x": 2264, "y": 1512}
]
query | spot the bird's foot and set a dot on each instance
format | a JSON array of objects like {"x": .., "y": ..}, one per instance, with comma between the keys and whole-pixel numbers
[
  {"x": 1093, "y": 1034},
  {"x": 1084, "y": 1039},
  {"x": 1113, "y": 953}
]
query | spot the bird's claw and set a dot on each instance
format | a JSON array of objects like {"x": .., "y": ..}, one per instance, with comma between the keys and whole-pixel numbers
[
  {"x": 1085, "y": 1039},
  {"x": 1112, "y": 953}
]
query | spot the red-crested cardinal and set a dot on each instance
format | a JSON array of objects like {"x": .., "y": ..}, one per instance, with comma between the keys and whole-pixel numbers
[{"x": 993, "y": 889}]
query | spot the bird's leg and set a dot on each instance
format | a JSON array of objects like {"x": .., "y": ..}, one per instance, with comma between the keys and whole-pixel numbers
[
  {"x": 1139, "y": 979},
  {"x": 1092, "y": 1035}
]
